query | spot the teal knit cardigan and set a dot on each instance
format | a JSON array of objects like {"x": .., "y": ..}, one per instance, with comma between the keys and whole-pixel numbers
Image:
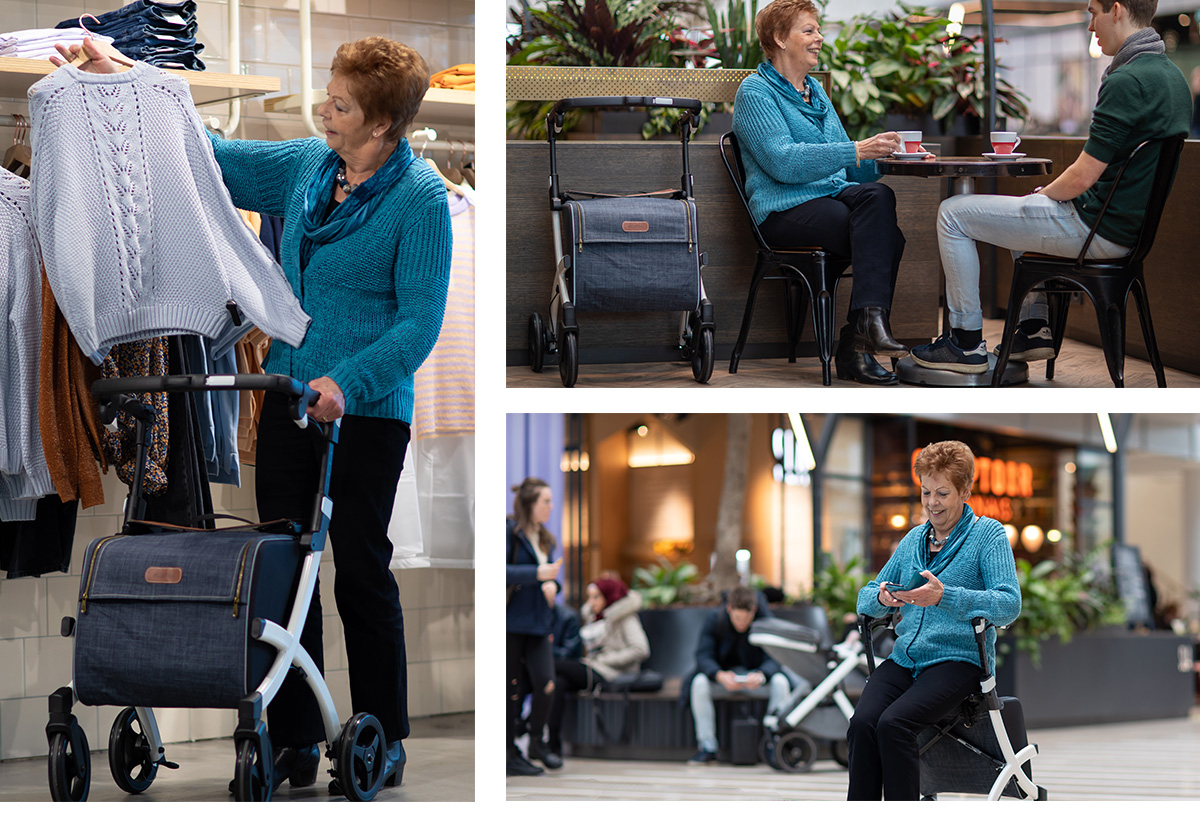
[
  {"x": 376, "y": 297},
  {"x": 980, "y": 578},
  {"x": 793, "y": 151}
]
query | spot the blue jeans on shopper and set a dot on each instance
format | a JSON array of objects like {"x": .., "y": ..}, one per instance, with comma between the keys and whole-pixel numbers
[
  {"x": 1031, "y": 223},
  {"x": 704, "y": 713}
]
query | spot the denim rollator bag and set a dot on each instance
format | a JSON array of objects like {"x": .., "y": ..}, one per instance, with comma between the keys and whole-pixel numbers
[
  {"x": 164, "y": 619},
  {"x": 950, "y": 766},
  {"x": 632, "y": 254}
]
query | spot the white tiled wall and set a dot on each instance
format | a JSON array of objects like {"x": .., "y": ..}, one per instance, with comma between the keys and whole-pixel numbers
[
  {"x": 439, "y": 605},
  {"x": 443, "y": 31}
]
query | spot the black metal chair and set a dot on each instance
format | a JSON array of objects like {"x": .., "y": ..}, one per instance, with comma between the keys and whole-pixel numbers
[
  {"x": 811, "y": 274},
  {"x": 1107, "y": 283}
]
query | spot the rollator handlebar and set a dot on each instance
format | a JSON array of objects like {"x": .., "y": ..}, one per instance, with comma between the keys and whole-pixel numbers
[{"x": 301, "y": 395}]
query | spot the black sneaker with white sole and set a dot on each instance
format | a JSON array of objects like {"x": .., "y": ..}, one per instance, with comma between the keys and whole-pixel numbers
[
  {"x": 945, "y": 355},
  {"x": 1027, "y": 348}
]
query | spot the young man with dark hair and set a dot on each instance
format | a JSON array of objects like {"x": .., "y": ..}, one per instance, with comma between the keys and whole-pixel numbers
[
  {"x": 727, "y": 662},
  {"x": 1143, "y": 96}
]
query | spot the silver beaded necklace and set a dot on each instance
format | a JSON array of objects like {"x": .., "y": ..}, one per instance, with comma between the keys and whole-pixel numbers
[{"x": 344, "y": 184}]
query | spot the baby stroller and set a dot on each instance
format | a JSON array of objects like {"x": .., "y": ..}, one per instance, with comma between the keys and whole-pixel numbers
[
  {"x": 979, "y": 748},
  {"x": 814, "y": 713},
  {"x": 200, "y": 618},
  {"x": 624, "y": 252}
]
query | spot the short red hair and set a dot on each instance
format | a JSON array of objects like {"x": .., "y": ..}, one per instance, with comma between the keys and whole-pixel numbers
[
  {"x": 776, "y": 20},
  {"x": 388, "y": 79}
]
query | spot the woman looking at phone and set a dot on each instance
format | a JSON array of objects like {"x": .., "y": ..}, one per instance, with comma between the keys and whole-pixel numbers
[{"x": 967, "y": 569}]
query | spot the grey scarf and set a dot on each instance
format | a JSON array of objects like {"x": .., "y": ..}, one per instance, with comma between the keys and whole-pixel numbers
[{"x": 1142, "y": 41}]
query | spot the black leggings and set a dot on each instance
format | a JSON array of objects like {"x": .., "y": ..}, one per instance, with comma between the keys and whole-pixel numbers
[
  {"x": 893, "y": 710},
  {"x": 859, "y": 223},
  {"x": 534, "y": 654}
]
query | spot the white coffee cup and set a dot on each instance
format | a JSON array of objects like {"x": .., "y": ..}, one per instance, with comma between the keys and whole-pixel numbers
[
  {"x": 1005, "y": 142},
  {"x": 911, "y": 141}
]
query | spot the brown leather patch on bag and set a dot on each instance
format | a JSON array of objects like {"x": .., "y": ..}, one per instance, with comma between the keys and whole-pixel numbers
[
  {"x": 635, "y": 225},
  {"x": 164, "y": 574}
]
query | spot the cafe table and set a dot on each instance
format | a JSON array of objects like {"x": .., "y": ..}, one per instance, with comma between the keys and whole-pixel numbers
[{"x": 962, "y": 173}]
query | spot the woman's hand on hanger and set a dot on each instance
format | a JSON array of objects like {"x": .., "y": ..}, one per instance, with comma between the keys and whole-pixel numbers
[{"x": 98, "y": 62}]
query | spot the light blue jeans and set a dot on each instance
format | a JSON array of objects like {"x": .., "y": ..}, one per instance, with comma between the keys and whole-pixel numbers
[
  {"x": 1031, "y": 223},
  {"x": 704, "y": 713}
]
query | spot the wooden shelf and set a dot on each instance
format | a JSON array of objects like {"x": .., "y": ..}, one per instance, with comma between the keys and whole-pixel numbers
[
  {"x": 443, "y": 106},
  {"x": 18, "y": 74}
]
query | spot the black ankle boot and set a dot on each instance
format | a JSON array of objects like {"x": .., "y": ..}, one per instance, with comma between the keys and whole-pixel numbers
[
  {"x": 859, "y": 366},
  {"x": 873, "y": 335},
  {"x": 296, "y": 765}
]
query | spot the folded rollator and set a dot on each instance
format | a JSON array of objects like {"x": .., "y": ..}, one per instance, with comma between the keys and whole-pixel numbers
[
  {"x": 979, "y": 748},
  {"x": 182, "y": 617},
  {"x": 622, "y": 253}
]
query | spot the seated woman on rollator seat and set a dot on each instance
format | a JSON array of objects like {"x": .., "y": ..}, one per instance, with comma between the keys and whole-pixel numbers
[
  {"x": 968, "y": 571},
  {"x": 809, "y": 184}
]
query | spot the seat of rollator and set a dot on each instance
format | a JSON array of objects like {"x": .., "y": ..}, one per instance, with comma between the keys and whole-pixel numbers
[{"x": 784, "y": 632}]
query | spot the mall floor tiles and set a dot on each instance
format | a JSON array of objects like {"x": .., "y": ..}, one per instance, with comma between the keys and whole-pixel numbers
[
  {"x": 441, "y": 766},
  {"x": 1158, "y": 760},
  {"x": 1079, "y": 366}
]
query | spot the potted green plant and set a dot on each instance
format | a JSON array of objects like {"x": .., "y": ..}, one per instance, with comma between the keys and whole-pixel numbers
[
  {"x": 835, "y": 588},
  {"x": 664, "y": 583},
  {"x": 906, "y": 66},
  {"x": 588, "y": 33}
]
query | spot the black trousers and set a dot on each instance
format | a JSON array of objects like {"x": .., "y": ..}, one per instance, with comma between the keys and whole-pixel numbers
[
  {"x": 569, "y": 676},
  {"x": 367, "y": 462},
  {"x": 859, "y": 223},
  {"x": 893, "y": 710},
  {"x": 534, "y": 654}
]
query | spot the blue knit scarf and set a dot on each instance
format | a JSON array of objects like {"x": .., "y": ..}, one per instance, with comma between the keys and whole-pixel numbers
[
  {"x": 958, "y": 536},
  {"x": 814, "y": 111},
  {"x": 352, "y": 212}
]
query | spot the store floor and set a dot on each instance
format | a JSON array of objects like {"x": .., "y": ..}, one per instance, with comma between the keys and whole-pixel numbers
[
  {"x": 441, "y": 766},
  {"x": 1079, "y": 366},
  {"x": 1158, "y": 760}
]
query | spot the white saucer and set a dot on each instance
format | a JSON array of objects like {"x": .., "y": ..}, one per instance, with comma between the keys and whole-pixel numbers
[
  {"x": 993, "y": 156},
  {"x": 916, "y": 155}
]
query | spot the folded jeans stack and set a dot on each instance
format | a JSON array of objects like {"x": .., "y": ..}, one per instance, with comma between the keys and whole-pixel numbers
[
  {"x": 161, "y": 34},
  {"x": 38, "y": 44}
]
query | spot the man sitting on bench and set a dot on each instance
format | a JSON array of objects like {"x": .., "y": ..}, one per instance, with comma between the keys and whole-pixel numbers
[{"x": 726, "y": 664}]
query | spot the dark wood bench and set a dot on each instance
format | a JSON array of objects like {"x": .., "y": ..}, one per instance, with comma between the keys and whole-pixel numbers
[{"x": 656, "y": 725}]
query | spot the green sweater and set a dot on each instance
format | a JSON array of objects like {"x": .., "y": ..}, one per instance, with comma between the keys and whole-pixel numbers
[
  {"x": 1144, "y": 99},
  {"x": 976, "y": 568},
  {"x": 376, "y": 297}
]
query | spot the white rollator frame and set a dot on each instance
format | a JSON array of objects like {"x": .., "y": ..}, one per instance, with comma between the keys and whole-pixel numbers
[
  {"x": 1008, "y": 763},
  {"x": 357, "y": 750}
]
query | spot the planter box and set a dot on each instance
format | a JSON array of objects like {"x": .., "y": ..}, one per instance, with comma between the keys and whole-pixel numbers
[{"x": 1105, "y": 676}]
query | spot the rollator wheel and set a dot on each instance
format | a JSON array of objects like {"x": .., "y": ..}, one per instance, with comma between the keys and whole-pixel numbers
[
  {"x": 840, "y": 750},
  {"x": 796, "y": 752},
  {"x": 702, "y": 356},
  {"x": 253, "y": 778},
  {"x": 537, "y": 343},
  {"x": 361, "y": 757},
  {"x": 70, "y": 766},
  {"x": 568, "y": 359},
  {"x": 130, "y": 760}
]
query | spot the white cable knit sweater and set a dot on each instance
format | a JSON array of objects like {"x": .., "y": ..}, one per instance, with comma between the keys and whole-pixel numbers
[
  {"x": 24, "y": 475},
  {"x": 138, "y": 233}
]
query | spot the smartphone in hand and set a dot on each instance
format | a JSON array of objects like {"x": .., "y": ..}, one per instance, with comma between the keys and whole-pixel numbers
[{"x": 914, "y": 582}]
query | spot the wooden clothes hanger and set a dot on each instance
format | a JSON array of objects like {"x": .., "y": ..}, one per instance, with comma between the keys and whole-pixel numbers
[
  {"x": 468, "y": 168},
  {"x": 19, "y": 157},
  {"x": 100, "y": 46},
  {"x": 452, "y": 173}
]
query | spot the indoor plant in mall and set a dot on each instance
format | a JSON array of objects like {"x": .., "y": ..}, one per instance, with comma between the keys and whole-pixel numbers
[{"x": 903, "y": 70}]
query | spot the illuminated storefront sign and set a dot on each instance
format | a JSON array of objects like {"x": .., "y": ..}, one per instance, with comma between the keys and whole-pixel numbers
[{"x": 997, "y": 483}]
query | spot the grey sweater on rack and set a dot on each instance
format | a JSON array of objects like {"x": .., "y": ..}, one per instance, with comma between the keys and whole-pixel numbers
[
  {"x": 24, "y": 475},
  {"x": 138, "y": 233}
]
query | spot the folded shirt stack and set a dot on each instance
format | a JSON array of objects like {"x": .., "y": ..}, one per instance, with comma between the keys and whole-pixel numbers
[
  {"x": 459, "y": 78},
  {"x": 38, "y": 44},
  {"x": 161, "y": 34}
]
